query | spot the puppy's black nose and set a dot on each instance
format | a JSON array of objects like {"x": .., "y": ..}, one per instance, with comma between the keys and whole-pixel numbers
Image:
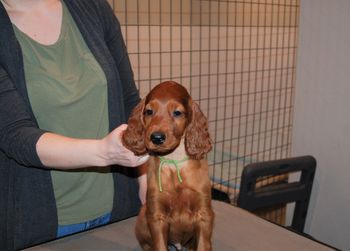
[{"x": 158, "y": 138}]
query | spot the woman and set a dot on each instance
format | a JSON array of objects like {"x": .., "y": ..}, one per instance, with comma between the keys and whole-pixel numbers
[{"x": 66, "y": 91}]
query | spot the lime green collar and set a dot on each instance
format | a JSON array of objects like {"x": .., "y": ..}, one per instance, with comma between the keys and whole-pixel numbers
[{"x": 169, "y": 161}]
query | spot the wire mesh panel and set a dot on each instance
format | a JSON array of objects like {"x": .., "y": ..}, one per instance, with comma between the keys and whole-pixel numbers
[{"x": 237, "y": 59}]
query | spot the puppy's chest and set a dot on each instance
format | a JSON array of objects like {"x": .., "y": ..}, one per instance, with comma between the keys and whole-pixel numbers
[
  {"x": 178, "y": 186},
  {"x": 181, "y": 202},
  {"x": 179, "y": 193},
  {"x": 174, "y": 178}
]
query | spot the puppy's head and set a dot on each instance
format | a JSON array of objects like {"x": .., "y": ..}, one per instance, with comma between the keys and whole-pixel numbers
[{"x": 163, "y": 118}]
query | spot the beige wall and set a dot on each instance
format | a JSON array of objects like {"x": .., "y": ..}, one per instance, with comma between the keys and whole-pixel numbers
[
  {"x": 241, "y": 74},
  {"x": 322, "y": 117}
]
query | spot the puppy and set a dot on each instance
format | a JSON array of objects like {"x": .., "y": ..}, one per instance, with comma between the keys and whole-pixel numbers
[{"x": 170, "y": 127}]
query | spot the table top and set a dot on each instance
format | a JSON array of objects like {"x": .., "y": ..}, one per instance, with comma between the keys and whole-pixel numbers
[{"x": 234, "y": 229}]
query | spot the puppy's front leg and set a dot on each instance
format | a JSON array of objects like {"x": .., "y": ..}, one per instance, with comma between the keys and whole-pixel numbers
[
  {"x": 159, "y": 231},
  {"x": 204, "y": 232}
]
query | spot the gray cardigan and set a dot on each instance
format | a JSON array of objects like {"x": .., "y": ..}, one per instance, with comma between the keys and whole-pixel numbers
[{"x": 28, "y": 213}]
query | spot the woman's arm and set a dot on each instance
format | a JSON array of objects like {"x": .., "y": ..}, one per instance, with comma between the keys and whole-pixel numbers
[
  {"x": 62, "y": 152},
  {"x": 23, "y": 141},
  {"x": 18, "y": 131}
]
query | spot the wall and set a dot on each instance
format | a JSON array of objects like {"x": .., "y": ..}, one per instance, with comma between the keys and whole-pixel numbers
[
  {"x": 206, "y": 12},
  {"x": 237, "y": 58},
  {"x": 322, "y": 117}
]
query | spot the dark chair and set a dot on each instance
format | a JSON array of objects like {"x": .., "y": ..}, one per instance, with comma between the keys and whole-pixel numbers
[{"x": 252, "y": 197}]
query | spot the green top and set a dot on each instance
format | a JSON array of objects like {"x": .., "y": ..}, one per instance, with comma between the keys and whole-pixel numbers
[{"x": 68, "y": 93}]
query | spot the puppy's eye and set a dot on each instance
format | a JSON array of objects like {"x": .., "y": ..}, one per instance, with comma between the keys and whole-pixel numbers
[
  {"x": 177, "y": 113},
  {"x": 148, "y": 112}
]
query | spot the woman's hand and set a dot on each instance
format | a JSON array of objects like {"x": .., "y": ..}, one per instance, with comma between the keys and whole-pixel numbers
[
  {"x": 57, "y": 151},
  {"x": 114, "y": 152}
]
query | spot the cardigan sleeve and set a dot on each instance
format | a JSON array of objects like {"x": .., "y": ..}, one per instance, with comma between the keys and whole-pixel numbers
[
  {"x": 116, "y": 45},
  {"x": 18, "y": 132}
]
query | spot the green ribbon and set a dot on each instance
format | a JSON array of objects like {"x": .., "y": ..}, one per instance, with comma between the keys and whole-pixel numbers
[{"x": 169, "y": 161}]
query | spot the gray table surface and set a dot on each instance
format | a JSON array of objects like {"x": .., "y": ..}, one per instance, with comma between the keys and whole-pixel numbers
[{"x": 235, "y": 229}]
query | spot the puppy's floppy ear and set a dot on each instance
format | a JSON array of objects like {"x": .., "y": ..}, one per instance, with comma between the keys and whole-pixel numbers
[
  {"x": 133, "y": 136},
  {"x": 197, "y": 140}
]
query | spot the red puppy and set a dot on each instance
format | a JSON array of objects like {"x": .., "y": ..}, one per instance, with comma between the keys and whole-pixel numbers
[{"x": 170, "y": 126}]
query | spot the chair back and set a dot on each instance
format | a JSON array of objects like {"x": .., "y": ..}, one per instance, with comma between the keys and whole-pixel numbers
[{"x": 253, "y": 197}]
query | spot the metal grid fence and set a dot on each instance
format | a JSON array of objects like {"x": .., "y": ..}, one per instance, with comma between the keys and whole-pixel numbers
[{"x": 237, "y": 59}]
